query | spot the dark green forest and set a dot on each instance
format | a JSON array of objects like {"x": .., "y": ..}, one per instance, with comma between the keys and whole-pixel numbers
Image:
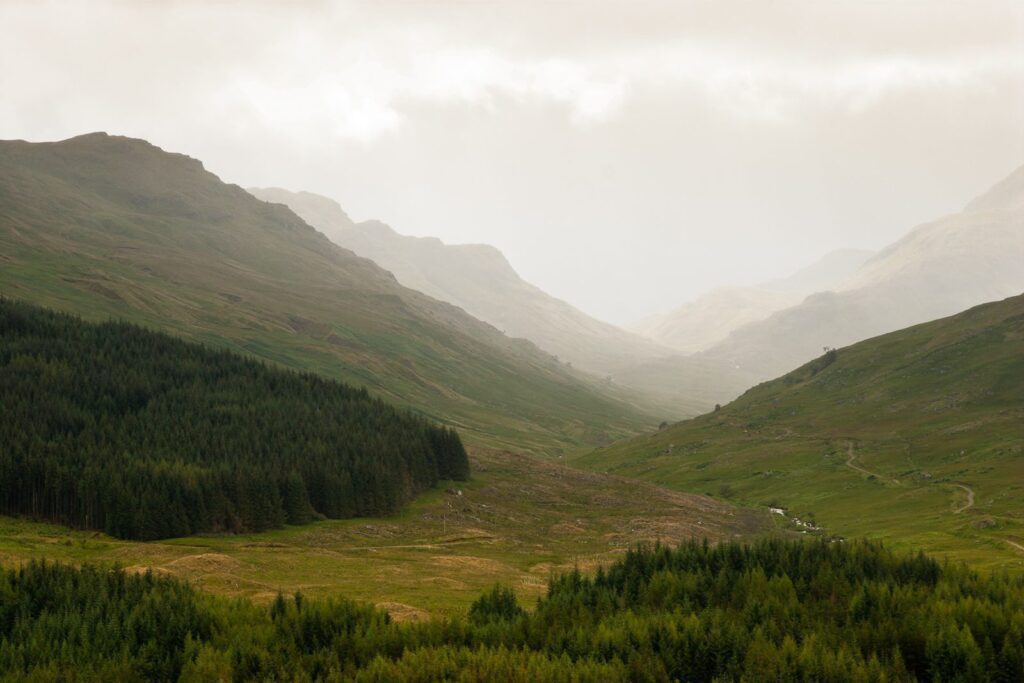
[
  {"x": 776, "y": 610},
  {"x": 141, "y": 435}
]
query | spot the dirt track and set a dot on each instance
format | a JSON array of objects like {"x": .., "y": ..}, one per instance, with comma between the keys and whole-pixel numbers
[
  {"x": 970, "y": 498},
  {"x": 851, "y": 456}
]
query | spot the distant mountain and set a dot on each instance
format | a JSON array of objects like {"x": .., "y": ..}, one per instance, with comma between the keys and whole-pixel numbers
[
  {"x": 916, "y": 436},
  {"x": 937, "y": 269},
  {"x": 709, "y": 319},
  {"x": 479, "y": 279},
  {"x": 109, "y": 226}
]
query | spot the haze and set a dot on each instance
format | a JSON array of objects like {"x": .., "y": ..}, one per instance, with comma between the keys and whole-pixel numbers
[{"x": 624, "y": 156}]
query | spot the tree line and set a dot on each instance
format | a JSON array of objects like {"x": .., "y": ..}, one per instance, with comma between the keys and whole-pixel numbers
[
  {"x": 775, "y": 610},
  {"x": 117, "y": 428}
]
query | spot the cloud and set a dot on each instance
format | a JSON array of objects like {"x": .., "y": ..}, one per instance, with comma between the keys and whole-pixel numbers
[
  {"x": 787, "y": 88},
  {"x": 651, "y": 148},
  {"x": 348, "y": 72},
  {"x": 361, "y": 99}
]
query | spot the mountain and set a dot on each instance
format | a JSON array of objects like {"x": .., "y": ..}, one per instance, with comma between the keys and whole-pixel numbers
[
  {"x": 937, "y": 269},
  {"x": 707, "y": 320},
  {"x": 106, "y": 226},
  {"x": 136, "y": 433},
  {"x": 916, "y": 436},
  {"x": 479, "y": 279}
]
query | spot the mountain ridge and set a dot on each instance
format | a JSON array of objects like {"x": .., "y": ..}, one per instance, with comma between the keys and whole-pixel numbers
[
  {"x": 107, "y": 226},
  {"x": 480, "y": 280},
  {"x": 701, "y": 323},
  {"x": 936, "y": 269}
]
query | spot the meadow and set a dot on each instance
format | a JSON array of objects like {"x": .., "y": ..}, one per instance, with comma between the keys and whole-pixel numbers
[{"x": 516, "y": 521}]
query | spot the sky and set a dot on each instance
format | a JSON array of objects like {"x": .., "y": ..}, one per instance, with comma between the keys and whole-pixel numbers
[{"x": 625, "y": 155}]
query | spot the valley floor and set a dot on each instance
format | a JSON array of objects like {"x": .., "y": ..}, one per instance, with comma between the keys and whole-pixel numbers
[
  {"x": 515, "y": 522},
  {"x": 960, "y": 506}
]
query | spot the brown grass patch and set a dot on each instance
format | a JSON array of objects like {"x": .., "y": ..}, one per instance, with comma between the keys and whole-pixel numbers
[
  {"x": 400, "y": 612},
  {"x": 205, "y": 563},
  {"x": 143, "y": 568},
  {"x": 463, "y": 563}
]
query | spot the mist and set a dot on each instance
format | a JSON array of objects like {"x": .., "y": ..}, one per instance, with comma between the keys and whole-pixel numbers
[{"x": 625, "y": 157}]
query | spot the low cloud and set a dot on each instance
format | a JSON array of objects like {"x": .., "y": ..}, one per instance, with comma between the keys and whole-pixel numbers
[
  {"x": 653, "y": 148},
  {"x": 339, "y": 70}
]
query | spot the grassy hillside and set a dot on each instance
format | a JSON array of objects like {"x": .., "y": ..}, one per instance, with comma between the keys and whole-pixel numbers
[
  {"x": 518, "y": 519},
  {"x": 916, "y": 436},
  {"x": 106, "y": 226}
]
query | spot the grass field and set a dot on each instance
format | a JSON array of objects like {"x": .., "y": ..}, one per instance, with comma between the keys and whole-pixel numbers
[
  {"x": 517, "y": 520},
  {"x": 916, "y": 437}
]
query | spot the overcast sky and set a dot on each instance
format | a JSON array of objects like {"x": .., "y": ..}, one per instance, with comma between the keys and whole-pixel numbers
[{"x": 625, "y": 156}]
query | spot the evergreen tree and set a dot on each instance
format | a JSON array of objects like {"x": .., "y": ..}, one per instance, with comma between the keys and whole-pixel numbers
[
  {"x": 116, "y": 428},
  {"x": 696, "y": 612}
]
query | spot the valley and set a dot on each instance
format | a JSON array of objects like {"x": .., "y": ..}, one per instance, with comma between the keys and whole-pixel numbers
[
  {"x": 534, "y": 342},
  {"x": 479, "y": 279},
  {"x": 830, "y": 448},
  {"x": 515, "y": 522}
]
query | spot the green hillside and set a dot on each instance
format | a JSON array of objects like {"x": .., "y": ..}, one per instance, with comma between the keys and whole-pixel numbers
[
  {"x": 107, "y": 226},
  {"x": 916, "y": 436}
]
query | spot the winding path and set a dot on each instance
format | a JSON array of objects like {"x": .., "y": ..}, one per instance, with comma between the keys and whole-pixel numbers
[
  {"x": 851, "y": 456},
  {"x": 970, "y": 498},
  {"x": 850, "y": 462}
]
